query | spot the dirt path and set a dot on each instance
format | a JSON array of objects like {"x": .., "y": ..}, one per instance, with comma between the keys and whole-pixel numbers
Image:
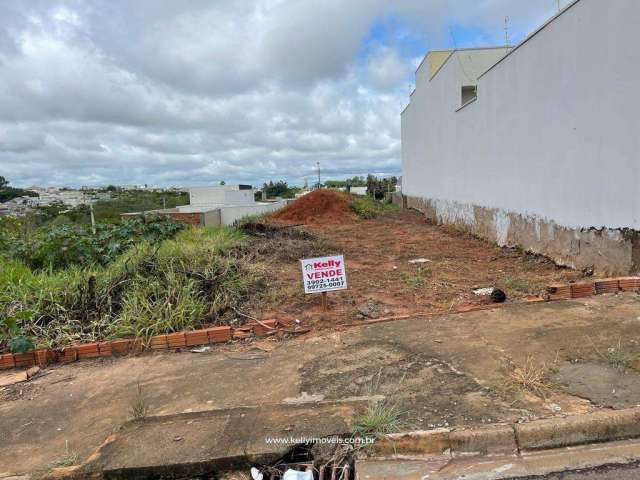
[{"x": 382, "y": 282}]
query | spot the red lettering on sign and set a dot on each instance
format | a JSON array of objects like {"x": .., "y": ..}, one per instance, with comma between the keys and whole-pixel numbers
[{"x": 330, "y": 263}]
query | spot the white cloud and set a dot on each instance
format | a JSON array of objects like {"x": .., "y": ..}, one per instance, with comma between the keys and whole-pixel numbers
[{"x": 159, "y": 91}]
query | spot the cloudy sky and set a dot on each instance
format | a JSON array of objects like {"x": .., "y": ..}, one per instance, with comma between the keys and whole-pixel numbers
[{"x": 191, "y": 92}]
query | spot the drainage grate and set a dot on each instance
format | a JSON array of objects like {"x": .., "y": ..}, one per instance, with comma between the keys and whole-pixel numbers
[
  {"x": 320, "y": 472},
  {"x": 332, "y": 464}
]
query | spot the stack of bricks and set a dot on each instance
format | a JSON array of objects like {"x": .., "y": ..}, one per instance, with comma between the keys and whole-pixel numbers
[
  {"x": 629, "y": 284},
  {"x": 125, "y": 346}
]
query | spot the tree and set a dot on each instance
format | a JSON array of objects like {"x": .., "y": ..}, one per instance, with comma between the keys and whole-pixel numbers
[
  {"x": 222, "y": 182},
  {"x": 279, "y": 189},
  {"x": 9, "y": 193},
  {"x": 378, "y": 187}
]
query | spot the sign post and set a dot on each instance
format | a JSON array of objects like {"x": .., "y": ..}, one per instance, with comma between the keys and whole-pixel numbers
[{"x": 324, "y": 274}]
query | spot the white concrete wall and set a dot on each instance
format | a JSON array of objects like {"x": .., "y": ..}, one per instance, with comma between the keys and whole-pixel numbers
[
  {"x": 229, "y": 215},
  {"x": 359, "y": 190},
  {"x": 220, "y": 195},
  {"x": 554, "y": 133}
]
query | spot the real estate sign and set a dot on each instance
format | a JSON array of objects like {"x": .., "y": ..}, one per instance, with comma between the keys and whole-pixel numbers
[{"x": 324, "y": 274}]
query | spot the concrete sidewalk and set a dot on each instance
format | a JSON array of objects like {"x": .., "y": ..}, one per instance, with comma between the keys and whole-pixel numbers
[
  {"x": 193, "y": 444},
  {"x": 440, "y": 370}
]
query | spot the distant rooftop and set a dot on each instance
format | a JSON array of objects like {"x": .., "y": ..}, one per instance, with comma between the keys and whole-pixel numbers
[{"x": 473, "y": 61}]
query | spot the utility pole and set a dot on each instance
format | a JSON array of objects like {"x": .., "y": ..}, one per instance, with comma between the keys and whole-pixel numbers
[
  {"x": 318, "y": 165},
  {"x": 93, "y": 218}
]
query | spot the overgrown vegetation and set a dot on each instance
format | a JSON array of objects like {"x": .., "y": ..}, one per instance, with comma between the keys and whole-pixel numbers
[
  {"x": 57, "y": 247},
  {"x": 182, "y": 283},
  {"x": 367, "y": 208}
]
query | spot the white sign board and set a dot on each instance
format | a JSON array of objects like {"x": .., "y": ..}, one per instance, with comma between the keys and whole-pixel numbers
[{"x": 324, "y": 274}]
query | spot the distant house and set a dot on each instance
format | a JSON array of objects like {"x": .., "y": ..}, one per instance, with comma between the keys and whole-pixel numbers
[
  {"x": 536, "y": 145},
  {"x": 217, "y": 205}
]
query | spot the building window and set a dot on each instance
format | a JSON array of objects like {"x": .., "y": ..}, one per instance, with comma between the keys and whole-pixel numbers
[{"x": 468, "y": 93}]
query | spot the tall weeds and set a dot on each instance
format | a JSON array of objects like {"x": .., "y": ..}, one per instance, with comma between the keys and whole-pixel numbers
[{"x": 152, "y": 288}]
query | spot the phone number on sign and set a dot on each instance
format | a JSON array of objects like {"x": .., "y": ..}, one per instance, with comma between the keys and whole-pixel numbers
[{"x": 318, "y": 284}]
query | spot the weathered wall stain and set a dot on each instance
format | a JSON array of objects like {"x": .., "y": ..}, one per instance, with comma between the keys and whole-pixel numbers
[{"x": 607, "y": 251}]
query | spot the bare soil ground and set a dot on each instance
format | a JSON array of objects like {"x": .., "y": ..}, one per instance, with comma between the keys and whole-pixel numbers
[
  {"x": 383, "y": 283},
  {"x": 445, "y": 369}
]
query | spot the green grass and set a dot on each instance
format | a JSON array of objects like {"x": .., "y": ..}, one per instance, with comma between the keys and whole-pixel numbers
[
  {"x": 69, "y": 458},
  {"x": 380, "y": 418},
  {"x": 415, "y": 278},
  {"x": 367, "y": 208},
  {"x": 139, "y": 408},
  {"x": 521, "y": 285},
  {"x": 186, "y": 282},
  {"x": 619, "y": 358}
]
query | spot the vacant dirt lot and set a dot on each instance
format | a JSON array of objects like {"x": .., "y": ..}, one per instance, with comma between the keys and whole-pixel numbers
[{"x": 383, "y": 283}]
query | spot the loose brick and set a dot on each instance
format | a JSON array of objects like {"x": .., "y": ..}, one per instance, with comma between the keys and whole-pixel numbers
[
  {"x": 27, "y": 359},
  {"x": 241, "y": 334},
  {"x": 176, "y": 340},
  {"x": 68, "y": 355},
  {"x": 88, "y": 350},
  {"x": 105, "y": 349},
  {"x": 44, "y": 357},
  {"x": 120, "y": 346},
  {"x": 136, "y": 345},
  {"x": 581, "y": 290},
  {"x": 609, "y": 285},
  {"x": 196, "y": 337},
  {"x": 7, "y": 361},
  {"x": 219, "y": 334},
  {"x": 261, "y": 330},
  {"x": 159, "y": 342}
]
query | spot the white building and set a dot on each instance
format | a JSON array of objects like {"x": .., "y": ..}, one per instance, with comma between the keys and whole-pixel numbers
[
  {"x": 538, "y": 145},
  {"x": 217, "y": 205}
]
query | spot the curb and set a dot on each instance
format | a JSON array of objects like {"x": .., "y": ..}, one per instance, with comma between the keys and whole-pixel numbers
[
  {"x": 124, "y": 346},
  {"x": 549, "y": 433},
  {"x": 212, "y": 335}
]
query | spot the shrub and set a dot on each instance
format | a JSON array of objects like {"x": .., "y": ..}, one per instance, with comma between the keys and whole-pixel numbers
[
  {"x": 58, "y": 247},
  {"x": 368, "y": 208},
  {"x": 185, "y": 282}
]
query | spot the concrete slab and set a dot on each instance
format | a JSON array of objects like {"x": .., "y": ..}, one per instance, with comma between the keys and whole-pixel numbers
[
  {"x": 217, "y": 440},
  {"x": 602, "y": 384}
]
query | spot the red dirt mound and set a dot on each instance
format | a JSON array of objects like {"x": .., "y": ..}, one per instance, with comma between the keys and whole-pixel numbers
[{"x": 319, "y": 206}]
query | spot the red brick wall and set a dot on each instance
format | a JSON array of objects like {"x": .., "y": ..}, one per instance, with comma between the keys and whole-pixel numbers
[{"x": 194, "y": 219}]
